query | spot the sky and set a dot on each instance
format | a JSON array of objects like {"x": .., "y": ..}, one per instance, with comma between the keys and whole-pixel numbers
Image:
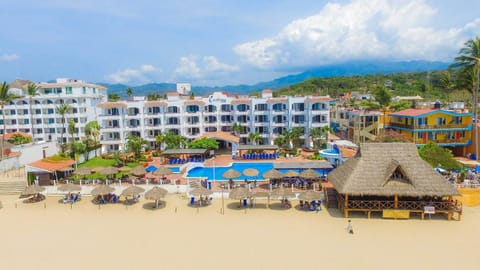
[{"x": 221, "y": 42}]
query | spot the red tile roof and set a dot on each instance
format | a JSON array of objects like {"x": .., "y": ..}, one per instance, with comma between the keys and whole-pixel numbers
[
  {"x": 412, "y": 112},
  {"x": 50, "y": 165}
]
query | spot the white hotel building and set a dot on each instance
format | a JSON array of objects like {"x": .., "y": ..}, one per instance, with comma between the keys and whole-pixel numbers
[
  {"x": 193, "y": 118},
  {"x": 82, "y": 97}
]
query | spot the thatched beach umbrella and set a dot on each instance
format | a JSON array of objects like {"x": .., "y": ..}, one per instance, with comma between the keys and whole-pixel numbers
[
  {"x": 282, "y": 193},
  {"x": 32, "y": 190},
  {"x": 108, "y": 171},
  {"x": 132, "y": 191},
  {"x": 310, "y": 196},
  {"x": 138, "y": 170},
  {"x": 162, "y": 170},
  {"x": 232, "y": 173},
  {"x": 70, "y": 187},
  {"x": 156, "y": 194},
  {"x": 201, "y": 191},
  {"x": 83, "y": 171},
  {"x": 102, "y": 190},
  {"x": 240, "y": 193},
  {"x": 250, "y": 172},
  {"x": 272, "y": 174},
  {"x": 291, "y": 174},
  {"x": 310, "y": 174}
]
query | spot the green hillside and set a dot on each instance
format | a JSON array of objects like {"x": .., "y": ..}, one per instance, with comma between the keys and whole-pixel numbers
[{"x": 441, "y": 84}]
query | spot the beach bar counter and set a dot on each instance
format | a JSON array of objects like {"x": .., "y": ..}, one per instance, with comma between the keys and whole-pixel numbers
[{"x": 392, "y": 179}]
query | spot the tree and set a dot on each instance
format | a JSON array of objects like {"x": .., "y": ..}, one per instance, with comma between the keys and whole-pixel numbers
[
  {"x": 113, "y": 97},
  {"x": 391, "y": 136},
  {"x": 31, "y": 90},
  {"x": 254, "y": 138},
  {"x": 203, "y": 143},
  {"x": 18, "y": 139},
  {"x": 63, "y": 110},
  {"x": 92, "y": 129},
  {"x": 438, "y": 156},
  {"x": 5, "y": 99},
  {"x": 401, "y": 105},
  {"x": 237, "y": 128},
  {"x": 153, "y": 96},
  {"x": 280, "y": 141},
  {"x": 319, "y": 135},
  {"x": 159, "y": 140},
  {"x": 174, "y": 141},
  {"x": 135, "y": 145},
  {"x": 129, "y": 91},
  {"x": 469, "y": 63},
  {"x": 291, "y": 136},
  {"x": 383, "y": 97}
]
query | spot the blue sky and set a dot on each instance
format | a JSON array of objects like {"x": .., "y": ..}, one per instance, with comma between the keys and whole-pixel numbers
[{"x": 219, "y": 42}]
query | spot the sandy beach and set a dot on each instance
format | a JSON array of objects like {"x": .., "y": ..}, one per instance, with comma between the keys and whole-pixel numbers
[{"x": 51, "y": 235}]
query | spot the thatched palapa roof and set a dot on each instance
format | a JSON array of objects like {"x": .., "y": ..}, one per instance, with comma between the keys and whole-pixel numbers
[{"x": 386, "y": 169}]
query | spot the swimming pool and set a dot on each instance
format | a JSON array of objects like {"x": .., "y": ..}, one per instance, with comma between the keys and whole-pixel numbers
[
  {"x": 175, "y": 169},
  {"x": 212, "y": 173}
]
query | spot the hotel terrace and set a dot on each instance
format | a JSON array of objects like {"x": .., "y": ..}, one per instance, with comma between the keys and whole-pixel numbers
[{"x": 195, "y": 117}]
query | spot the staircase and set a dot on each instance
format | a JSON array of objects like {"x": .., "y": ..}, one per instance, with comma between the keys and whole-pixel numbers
[{"x": 12, "y": 187}]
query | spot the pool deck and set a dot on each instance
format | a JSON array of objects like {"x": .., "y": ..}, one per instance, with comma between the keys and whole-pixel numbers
[{"x": 226, "y": 160}]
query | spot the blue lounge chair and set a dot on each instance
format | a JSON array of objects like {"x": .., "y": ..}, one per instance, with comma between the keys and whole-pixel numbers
[{"x": 192, "y": 201}]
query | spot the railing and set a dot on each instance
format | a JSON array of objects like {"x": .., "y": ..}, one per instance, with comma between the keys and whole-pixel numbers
[
  {"x": 404, "y": 205},
  {"x": 449, "y": 126},
  {"x": 445, "y": 141}
]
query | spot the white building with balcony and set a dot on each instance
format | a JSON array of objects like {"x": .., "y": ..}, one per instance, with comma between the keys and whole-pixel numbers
[
  {"x": 42, "y": 116},
  {"x": 194, "y": 118}
]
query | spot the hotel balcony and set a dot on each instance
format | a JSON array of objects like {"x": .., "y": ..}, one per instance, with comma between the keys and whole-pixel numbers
[
  {"x": 111, "y": 141},
  {"x": 429, "y": 127},
  {"x": 278, "y": 112},
  {"x": 445, "y": 142}
]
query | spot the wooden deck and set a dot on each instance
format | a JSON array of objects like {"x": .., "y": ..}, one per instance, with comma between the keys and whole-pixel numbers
[{"x": 368, "y": 206}]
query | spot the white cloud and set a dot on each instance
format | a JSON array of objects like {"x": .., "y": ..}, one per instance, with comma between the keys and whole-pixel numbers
[
  {"x": 130, "y": 75},
  {"x": 360, "y": 29},
  {"x": 9, "y": 57},
  {"x": 205, "y": 68}
]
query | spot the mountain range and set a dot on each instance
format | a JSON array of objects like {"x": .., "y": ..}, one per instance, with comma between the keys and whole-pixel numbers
[{"x": 357, "y": 68}]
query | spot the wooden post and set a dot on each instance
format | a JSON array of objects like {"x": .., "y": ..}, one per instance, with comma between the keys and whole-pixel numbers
[
  {"x": 345, "y": 205},
  {"x": 395, "y": 201}
]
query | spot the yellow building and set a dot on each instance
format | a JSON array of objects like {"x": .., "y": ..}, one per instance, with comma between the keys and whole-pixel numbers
[{"x": 447, "y": 128}]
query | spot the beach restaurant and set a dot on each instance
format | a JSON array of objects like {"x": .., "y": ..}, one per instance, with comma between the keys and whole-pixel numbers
[{"x": 392, "y": 179}]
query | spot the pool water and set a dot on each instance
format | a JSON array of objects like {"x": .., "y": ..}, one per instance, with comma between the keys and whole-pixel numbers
[
  {"x": 175, "y": 169},
  {"x": 212, "y": 173}
]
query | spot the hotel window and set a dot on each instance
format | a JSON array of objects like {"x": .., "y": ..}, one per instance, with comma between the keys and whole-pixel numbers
[
  {"x": 38, "y": 121},
  {"x": 51, "y": 130},
  {"x": 172, "y": 109},
  {"x": 299, "y": 119},
  {"x": 243, "y": 107},
  {"x": 25, "y": 121},
  {"x": 51, "y": 120},
  {"x": 261, "y": 107},
  {"x": 14, "y": 121},
  {"x": 278, "y": 107},
  {"x": 12, "y": 112},
  {"x": 84, "y": 90},
  {"x": 300, "y": 107},
  {"x": 68, "y": 90},
  {"x": 261, "y": 118},
  {"x": 94, "y": 90},
  {"x": 210, "y": 108},
  {"x": 226, "y": 108}
]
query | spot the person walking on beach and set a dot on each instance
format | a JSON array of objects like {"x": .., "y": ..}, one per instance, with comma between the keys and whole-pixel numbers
[{"x": 349, "y": 227}]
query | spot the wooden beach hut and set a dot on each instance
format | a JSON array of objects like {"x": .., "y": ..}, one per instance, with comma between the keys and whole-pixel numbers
[{"x": 391, "y": 178}]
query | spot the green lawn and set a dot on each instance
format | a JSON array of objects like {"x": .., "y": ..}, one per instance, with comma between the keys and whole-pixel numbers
[{"x": 97, "y": 162}]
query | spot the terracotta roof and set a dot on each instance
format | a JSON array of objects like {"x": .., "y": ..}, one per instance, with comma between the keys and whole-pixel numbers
[
  {"x": 221, "y": 136},
  {"x": 276, "y": 100},
  {"x": 155, "y": 103},
  {"x": 72, "y": 84},
  {"x": 313, "y": 99},
  {"x": 347, "y": 152},
  {"x": 241, "y": 101},
  {"x": 195, "y": 102},
  {"x": 112, "y": 105},
  {"x": 267, "y": 91},
  {"x": 412, "y": 112},
  {"x": 51, "y": 166},
  {"x": 172, "y": 94}
]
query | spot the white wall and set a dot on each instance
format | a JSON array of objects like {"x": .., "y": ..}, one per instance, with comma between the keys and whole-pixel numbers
[{"x": 29, "y": 153}]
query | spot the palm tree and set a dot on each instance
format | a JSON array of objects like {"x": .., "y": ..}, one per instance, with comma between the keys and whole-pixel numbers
[
  {"x": 318, "y": 135},
  {"x": 62, "y": 110},
  {"x": 159, "y": 140},
  {"x": 254, "y": 138},
  {"x": 469, "y": 61},
  {"x": 129, "y": 91},
  {"x": 237, "y": 128},
  {"x": 5, "y": 98},
  {"x": 31, "y": 91},
  {"x": 93, "y": 129}
]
